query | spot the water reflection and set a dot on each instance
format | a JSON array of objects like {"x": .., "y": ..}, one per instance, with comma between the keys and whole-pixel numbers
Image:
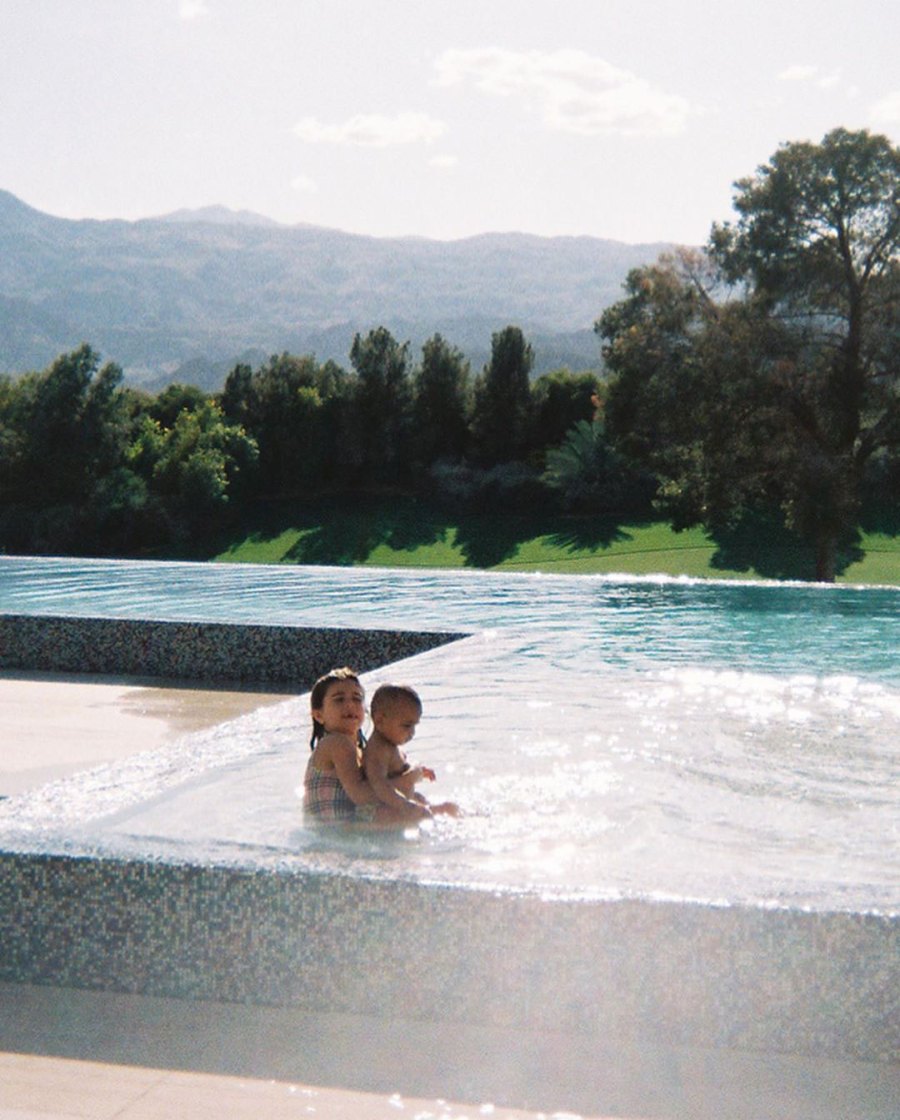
[{"x": 667, "y": 738}]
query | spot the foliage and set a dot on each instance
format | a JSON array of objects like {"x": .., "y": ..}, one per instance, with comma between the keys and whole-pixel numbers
[
  {"x": 592, "y": 476},
  {"x": 766, "y": 372},
  {"x": 298, "y": 413},
  {"x": 817, "y": 244},
  {"x": 501, "y": 488},
  {"x": 382, "y": 430},
  {"x": 500, "y": 424},
  {"x": 197, "y": 462},
  {"x": 88, "y": 466},
  {"x": 686, "y": 400},
  {"x": 752, "y": 385},
  {"x": 559, "y": 400},
  {"x": 173, "y": 400},
  {"x": 443, "y": 403},
  {"x": 61, "y": 429}
]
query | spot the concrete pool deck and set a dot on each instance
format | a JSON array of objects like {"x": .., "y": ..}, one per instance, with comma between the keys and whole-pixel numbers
[
  {"x": 67, "y": 1052},
  {"x": 52, "y": 725}
]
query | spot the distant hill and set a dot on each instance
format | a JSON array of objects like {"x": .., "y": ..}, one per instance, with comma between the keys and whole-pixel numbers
[
  {"x": 184, "y": 296},
  {"x": 219, "y": 215}
]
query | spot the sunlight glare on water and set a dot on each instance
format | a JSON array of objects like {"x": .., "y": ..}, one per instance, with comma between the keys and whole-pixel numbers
[{"x": 606, "y": 736}]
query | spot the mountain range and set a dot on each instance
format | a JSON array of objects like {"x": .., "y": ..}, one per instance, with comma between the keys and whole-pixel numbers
[{"x": 184, "y": 296}]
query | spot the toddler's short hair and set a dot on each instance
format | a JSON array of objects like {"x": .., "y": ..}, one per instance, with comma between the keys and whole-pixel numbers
[{"x": 387, "y": 695}]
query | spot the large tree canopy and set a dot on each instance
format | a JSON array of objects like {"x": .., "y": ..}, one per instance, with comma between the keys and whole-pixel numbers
[{"x": 769, "y": 371}]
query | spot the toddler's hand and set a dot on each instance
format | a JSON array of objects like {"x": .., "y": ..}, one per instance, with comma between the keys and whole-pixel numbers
[{"x": 447, "y": 809}]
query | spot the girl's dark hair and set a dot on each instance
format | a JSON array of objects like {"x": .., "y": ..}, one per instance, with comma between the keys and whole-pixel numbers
[{"x": 317, "y": 697}]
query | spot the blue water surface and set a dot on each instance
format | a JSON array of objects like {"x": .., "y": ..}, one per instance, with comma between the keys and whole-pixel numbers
[
  {"x": 660, "y": 737},
  {"x": 773, "y": 627}
]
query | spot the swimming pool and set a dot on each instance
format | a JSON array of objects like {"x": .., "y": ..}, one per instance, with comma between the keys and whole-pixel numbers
[
  {"x": 775, "y": 627},
  {"x": 609, "y": 737}
]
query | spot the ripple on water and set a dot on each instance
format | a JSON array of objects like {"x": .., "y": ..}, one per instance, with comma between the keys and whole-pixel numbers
[{"x": 666, "y": 738}]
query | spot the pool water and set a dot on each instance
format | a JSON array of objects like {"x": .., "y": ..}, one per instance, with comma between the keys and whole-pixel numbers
[
  {"x": 606, "y": 736},
  {"x": 629, "y": 621}
]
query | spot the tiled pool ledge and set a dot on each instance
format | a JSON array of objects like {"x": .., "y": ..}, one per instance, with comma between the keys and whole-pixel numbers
[
  {"x": 653, "y": 972},
  {"x": 282, "y": 656}
]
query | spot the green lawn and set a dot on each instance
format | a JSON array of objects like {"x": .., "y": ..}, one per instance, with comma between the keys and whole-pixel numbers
[{"x": 402, "y": 532}]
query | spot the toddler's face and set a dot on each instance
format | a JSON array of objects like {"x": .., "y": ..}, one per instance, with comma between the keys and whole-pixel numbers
[{"x": 398, "y": 722}]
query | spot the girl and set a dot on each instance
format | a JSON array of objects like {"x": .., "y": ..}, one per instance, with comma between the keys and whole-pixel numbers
[{"x": 334, "y": 786}]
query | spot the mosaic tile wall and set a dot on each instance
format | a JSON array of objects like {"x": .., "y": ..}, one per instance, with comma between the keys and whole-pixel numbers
[
  {"x": 665, "y": 973},
  {"x": 290, "y": 656}
]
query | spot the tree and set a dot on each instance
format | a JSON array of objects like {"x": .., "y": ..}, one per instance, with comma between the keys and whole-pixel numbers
[
  {"x": 767, "y": 371},
  {"x": 383, "y": 405},
  {"x": 559, "y": 400},
  {"x": 297, "y": 411},
  {"x": 501, "y": 419},
  {"x": 176, "y": 398},
  {"x": 10, "y": 437},
  {"x": 63, "y": 429},
  {"x": 592, "y": 476},
  {"x": 238, "y": 397},
  {"x": 817, "y": 245},
  {"x": 197, "y": 463},
  {"x": 442, "y": 404},
  {"x": 686, "y": 399}
]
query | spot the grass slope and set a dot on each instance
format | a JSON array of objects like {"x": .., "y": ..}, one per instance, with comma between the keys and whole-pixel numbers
[{"x": 403, "y": 532}]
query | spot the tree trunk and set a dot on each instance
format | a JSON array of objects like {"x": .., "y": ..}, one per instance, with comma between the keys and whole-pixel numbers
[{"x": 826, "y": 558}]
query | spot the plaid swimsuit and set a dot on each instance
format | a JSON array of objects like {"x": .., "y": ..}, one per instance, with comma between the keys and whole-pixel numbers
[
  {"x": 324, "y": 796},
  {"x": 326, "y": 799}
]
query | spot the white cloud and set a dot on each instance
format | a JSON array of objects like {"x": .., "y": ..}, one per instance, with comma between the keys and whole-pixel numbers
[
  {"x": 813, "y": 75},
  {"x": 886, "y": 110},
  {"x": 443, "y": 161},
  {"x": 192, "y": 9},
  {"x": 572, "y": 90},
  {"x": 305, "y": 184},
  {"x": 829, "y": 81},
  {"x": 372, "y": 130},
  {"x": 798, "y": 73}
]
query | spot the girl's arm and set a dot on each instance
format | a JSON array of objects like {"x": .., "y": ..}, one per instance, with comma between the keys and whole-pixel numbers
[{"x": 341, "y": 752}]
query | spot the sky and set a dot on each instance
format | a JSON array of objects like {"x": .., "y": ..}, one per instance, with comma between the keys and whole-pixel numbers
[{"x": 621, "y": 119}]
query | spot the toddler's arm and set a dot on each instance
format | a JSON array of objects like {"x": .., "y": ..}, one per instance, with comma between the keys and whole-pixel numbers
[{"x": 410, "y": 777}]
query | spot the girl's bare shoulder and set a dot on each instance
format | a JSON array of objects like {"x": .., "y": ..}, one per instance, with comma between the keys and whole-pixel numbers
[{"x": 334, "y": 742}]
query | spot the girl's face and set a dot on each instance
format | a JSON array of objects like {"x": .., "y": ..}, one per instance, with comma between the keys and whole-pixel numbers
[{"x": 343, "y": 708}]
